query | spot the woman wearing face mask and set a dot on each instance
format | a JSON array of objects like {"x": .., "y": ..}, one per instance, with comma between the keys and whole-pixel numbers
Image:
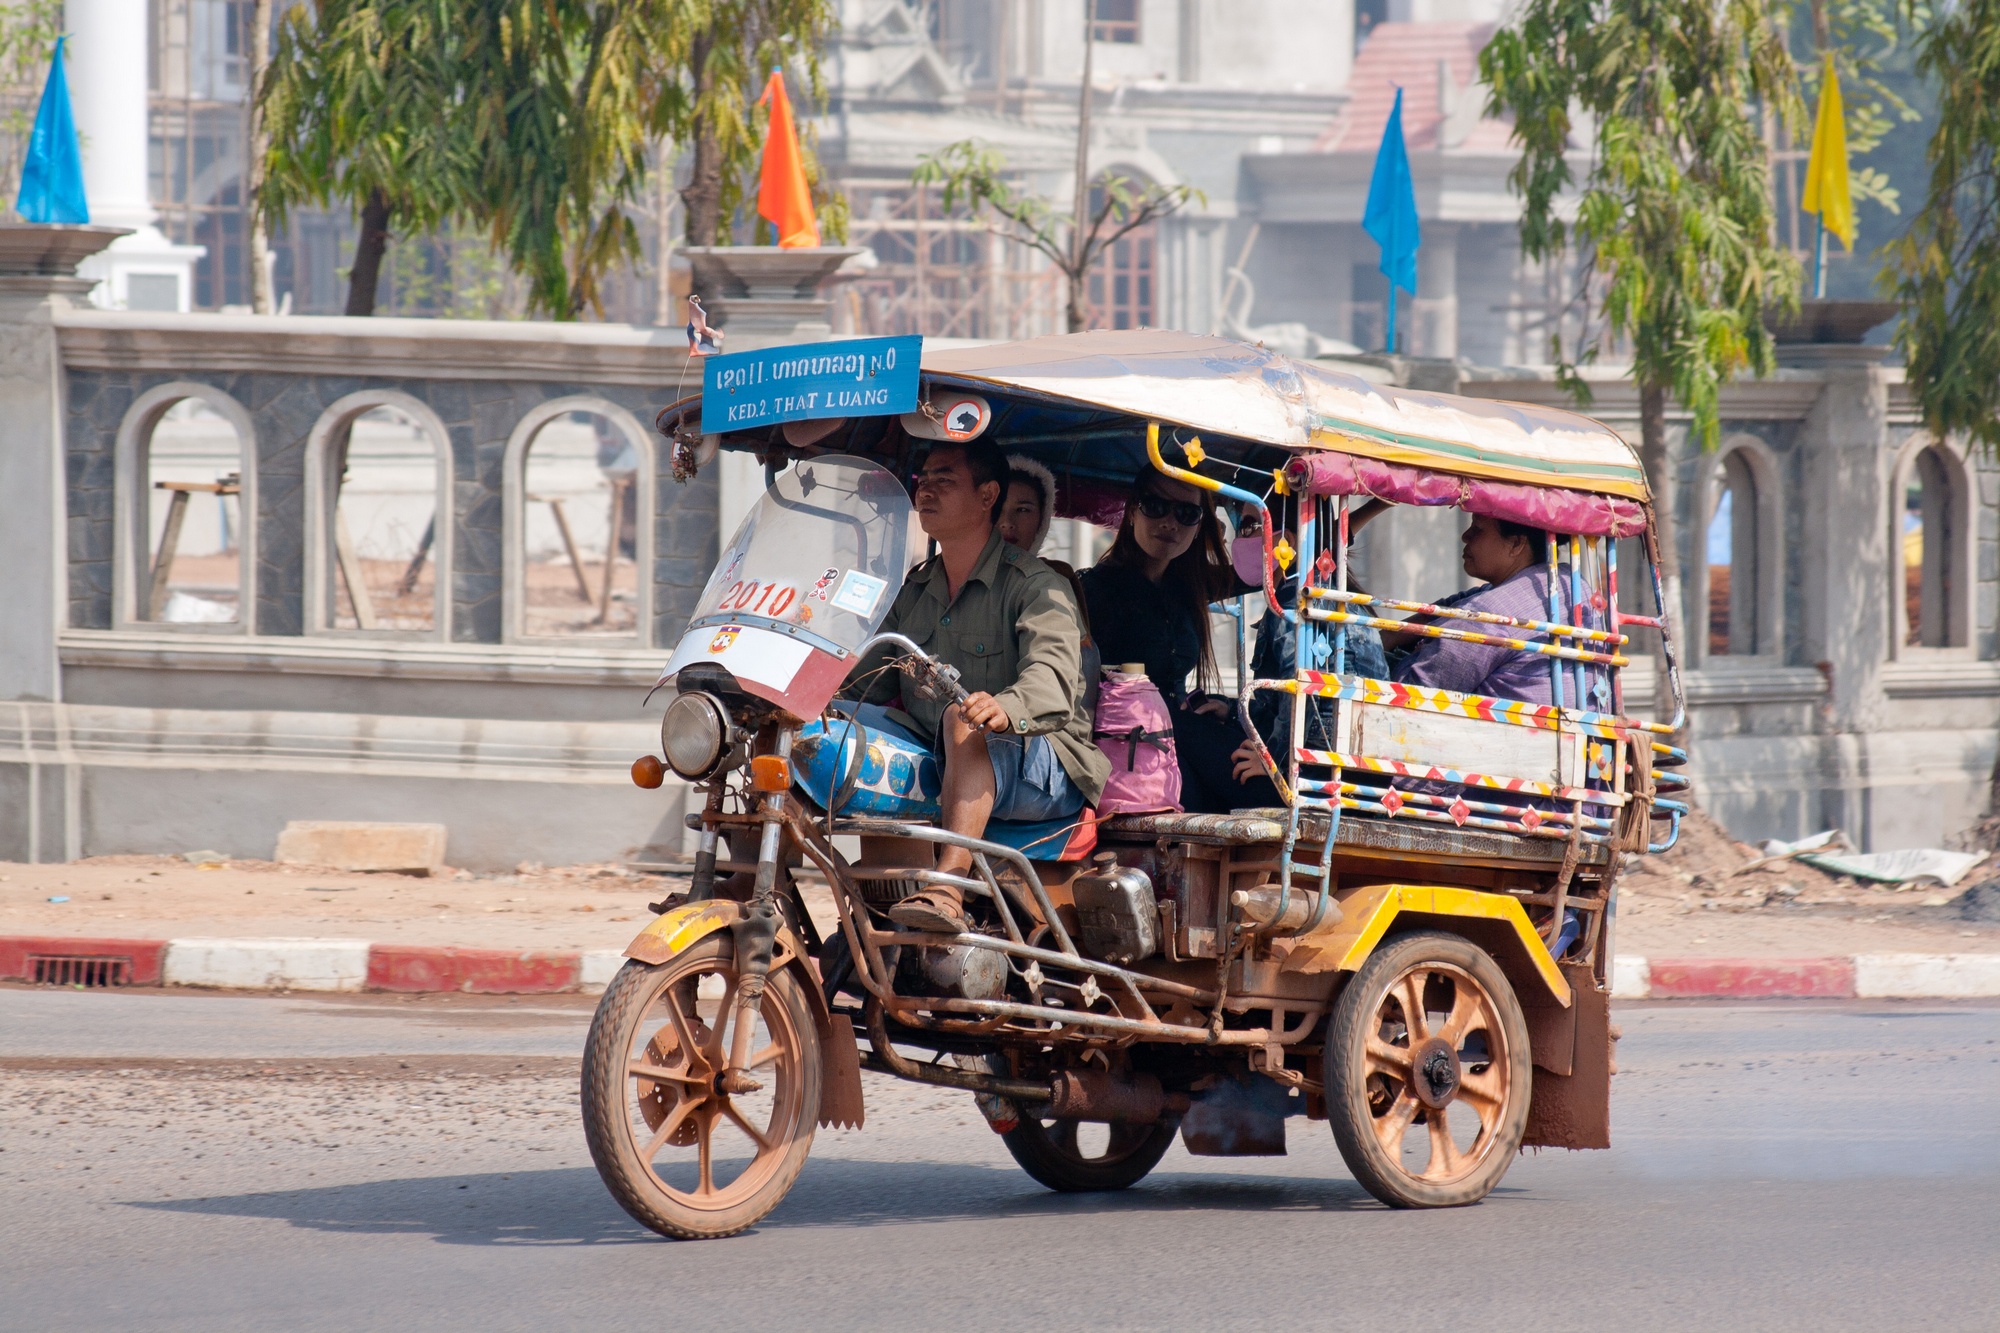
[{"x": 1148, "y": 602}]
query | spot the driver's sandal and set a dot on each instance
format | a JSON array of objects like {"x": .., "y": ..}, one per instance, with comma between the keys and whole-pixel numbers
[{"x": 936, "y": 910}]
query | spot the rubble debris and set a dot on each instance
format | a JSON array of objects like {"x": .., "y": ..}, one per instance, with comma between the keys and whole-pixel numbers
[{"x": 1905, "y": 869}]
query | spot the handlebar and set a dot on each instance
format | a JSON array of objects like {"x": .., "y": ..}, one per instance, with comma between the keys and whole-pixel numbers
[{"x": 934, "y": 677}]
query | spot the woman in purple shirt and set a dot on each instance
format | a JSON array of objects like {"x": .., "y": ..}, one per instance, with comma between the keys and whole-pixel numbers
[{"x": 1511, "y": 559}]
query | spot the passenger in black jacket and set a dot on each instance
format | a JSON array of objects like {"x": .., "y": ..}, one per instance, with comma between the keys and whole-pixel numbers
[{"x": 1148, "y": 602}]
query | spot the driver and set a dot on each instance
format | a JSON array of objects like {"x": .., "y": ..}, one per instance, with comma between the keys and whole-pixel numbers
[{"x": 1020, "y": 747}]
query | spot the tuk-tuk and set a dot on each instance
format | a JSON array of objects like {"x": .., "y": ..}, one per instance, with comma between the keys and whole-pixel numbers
[{"x": 1413, "y": 946}]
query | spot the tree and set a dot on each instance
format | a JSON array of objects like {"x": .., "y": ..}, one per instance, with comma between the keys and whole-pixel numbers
[
  {"x": 1946, "y": 267},
  {"x": 259, "y": 49},
  {"x": 1073, "y": 241},
  {"x": 1673, "y": 225},
  {"x": 358, "y": 105},
  {"x": 728, "y": 48},
  {"x": 534, "y": 119}
]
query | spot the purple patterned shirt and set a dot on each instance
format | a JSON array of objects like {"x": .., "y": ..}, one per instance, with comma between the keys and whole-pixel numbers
[{"x": 1477, "y": 668}]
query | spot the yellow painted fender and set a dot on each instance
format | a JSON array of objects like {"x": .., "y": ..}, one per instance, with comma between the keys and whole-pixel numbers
[
  {"x": 680, "y": 929},
  {"x": 673, "y": 932},
  {"x": 1493, "y": 921}
]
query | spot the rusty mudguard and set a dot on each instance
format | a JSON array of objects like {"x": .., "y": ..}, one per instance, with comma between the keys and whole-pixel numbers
[
  {"x": 1570, "y": 1106},
  {"x": 675, "y": 931}
]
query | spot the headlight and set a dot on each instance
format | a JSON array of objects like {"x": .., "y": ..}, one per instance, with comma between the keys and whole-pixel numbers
[{"x": 694, "y": 735}]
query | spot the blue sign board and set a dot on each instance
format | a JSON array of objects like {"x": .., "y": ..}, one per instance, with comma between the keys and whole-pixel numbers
[{"x": 849, "y": 377}]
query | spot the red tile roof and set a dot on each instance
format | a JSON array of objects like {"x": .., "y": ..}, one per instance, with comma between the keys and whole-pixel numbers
[{"x": 1406, "y": 55}]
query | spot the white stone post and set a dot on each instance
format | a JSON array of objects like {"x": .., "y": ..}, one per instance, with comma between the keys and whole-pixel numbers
[{"x": 108, "y": 50}]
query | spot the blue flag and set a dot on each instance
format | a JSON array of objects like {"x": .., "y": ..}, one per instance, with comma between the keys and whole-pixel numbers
[
  {"x": 52, "y": 176},
  {"x": 1391, "y": 214}
]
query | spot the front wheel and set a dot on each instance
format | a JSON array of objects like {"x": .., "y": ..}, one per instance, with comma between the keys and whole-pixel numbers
[
  {"x": 682, "y": 1156},
  {"x": 1078, "y": 1157},
  {"x": 1428, "y": 1072}
]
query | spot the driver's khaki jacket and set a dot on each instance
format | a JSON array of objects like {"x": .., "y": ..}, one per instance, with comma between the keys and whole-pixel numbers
[{"x": 1013, "y": 632}]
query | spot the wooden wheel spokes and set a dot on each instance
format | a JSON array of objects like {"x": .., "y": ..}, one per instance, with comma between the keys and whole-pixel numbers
[
  {"x": 675, "y": 1082},
  {"x": 1459, "y": 1060}
]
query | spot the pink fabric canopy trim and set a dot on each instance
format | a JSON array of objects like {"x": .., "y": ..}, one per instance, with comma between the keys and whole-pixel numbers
[{"x": 1547, "y": 507}]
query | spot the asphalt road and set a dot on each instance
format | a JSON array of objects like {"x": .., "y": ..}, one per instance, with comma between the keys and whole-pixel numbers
[{"x": 214, "y": 1163}]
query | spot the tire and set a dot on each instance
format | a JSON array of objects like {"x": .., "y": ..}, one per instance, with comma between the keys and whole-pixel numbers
[
  {"x": 1049, "y": 1151},
  {"x": 1465, "y": 1079},
  {"x": 676, "y": 1187}
]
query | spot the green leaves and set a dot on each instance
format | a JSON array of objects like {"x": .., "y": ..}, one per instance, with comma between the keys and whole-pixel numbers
[
  {"x": 1946, "y": 267},
  {"x": 1647, "y": 112},
  {"x": 532, "y": 120}
]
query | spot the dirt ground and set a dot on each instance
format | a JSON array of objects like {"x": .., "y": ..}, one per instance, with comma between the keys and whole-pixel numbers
[
  {"x": 1698, "y": 900},
  {"x": 154, "y": 897},
  {"x": 1694, "y": 900}
]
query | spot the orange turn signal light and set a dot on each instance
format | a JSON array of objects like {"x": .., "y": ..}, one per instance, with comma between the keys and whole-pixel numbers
[
  {"x": 771, "y": 773},
  {"x": 648, "y": 771}
]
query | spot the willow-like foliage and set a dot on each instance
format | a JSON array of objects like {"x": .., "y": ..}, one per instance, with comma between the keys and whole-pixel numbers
[
  {"x": 1946, "y": 267},
  {"x": 1643, "y": 117},
  {"x": 358, "y": 106},
  {"x": 531, "y": 119}
]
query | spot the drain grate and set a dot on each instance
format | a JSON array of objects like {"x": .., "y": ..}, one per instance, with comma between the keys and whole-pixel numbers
[{"x": 69, "y": 970}]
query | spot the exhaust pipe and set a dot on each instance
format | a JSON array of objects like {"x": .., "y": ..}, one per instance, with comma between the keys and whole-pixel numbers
[{"x": 1094, "y": 1094}]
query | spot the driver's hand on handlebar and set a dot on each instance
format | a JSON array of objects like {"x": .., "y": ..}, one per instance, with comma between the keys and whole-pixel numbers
[{"x": 982, "y": 711}]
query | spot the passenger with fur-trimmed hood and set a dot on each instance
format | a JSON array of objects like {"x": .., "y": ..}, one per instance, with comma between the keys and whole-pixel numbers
[
  {"x": 1025, "y": 516},
  {"x": 1030, "y": 505}
]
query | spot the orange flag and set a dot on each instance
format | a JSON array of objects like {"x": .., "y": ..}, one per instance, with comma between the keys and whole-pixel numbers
[{"x": 783, "y": 196}]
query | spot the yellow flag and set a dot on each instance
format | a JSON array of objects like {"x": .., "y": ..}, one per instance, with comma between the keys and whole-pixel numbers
[{"x": 1826, "y": 173}]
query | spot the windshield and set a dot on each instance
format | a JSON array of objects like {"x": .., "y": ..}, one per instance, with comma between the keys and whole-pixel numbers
[{"x": 822, "y": 555}]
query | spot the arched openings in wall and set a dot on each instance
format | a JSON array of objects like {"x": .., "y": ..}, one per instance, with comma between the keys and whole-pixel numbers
[
  {"x": 378, "y": 477},
  {"x": 186, "y": 485},
  {"x": 579, "y": 522},
  {"x": 1930, "y": 555},
  {"x": 1742, "y": 550}
]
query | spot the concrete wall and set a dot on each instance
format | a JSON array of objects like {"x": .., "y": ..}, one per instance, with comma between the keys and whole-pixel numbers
[{"x": 130, "y": 735}]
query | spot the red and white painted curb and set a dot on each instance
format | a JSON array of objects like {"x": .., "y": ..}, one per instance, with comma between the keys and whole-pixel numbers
[
  {"x": 314, "y": 965},
  {"x": 358, "y": 965}
]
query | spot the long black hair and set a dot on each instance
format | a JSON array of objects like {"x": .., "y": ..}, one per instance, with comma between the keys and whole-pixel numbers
[{"x": 1194, "y": 578}]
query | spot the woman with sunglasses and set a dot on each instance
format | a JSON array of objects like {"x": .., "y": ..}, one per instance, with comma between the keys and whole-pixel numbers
[{"x": 1147, "y": 601}]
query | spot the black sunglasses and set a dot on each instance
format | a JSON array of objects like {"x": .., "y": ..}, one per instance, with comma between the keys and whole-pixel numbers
[{"x": 1185, "y": 512}]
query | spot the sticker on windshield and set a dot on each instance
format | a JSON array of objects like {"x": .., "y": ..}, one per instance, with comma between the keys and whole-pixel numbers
[{"x": 859, "y": 593}]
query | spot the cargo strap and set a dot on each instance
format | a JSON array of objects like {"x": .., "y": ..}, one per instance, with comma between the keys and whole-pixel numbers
[{"x": 1133, "y": 739}]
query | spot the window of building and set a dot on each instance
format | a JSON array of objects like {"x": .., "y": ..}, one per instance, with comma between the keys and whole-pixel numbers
[
  {"x": 1733, "y": 576},
  {"x": 580, "y": 528},
  {"x": 1928, "y": 537},
  {"x": 190, "y": 568},
  {"x": 1121, "y": 286},
  {"x": 383, "y": 470},
  {"x": 1116, "y": 21}
]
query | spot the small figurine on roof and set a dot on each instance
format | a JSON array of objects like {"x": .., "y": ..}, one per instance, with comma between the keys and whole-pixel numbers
[{"x": 702, "y": 340}]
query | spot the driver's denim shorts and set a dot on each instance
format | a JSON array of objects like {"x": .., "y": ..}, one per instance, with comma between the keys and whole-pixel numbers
[{"x": 1030, "y": 784}]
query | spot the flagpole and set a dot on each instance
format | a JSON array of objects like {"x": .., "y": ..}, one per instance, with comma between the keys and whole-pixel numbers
[
  {"x": 1819, "y": 260},
  {"x": 1390, "y": 348}
]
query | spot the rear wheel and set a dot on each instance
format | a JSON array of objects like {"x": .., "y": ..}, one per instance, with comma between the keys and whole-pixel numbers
[
  {"x": 1428, "y": 1072},
  {"x": 1077, "y": 1157},
  {"x": 682, "y": 1156}
]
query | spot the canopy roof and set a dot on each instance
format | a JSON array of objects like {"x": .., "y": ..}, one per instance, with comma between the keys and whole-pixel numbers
[{"x": 1229, "y": 388}]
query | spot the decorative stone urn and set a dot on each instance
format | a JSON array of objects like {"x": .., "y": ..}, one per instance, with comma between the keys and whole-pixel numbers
[
  {"x": 1827, "y": 332},
  {"x": 50, "y": 249},
  {"x": 761, "y": 295}
]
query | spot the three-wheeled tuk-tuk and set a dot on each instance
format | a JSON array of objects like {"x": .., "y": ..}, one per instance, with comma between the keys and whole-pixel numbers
[{"x": 1413, "y": 946}]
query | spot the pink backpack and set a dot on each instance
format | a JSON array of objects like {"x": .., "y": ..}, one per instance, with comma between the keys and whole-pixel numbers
[{"x": 1136, "y": 733}]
